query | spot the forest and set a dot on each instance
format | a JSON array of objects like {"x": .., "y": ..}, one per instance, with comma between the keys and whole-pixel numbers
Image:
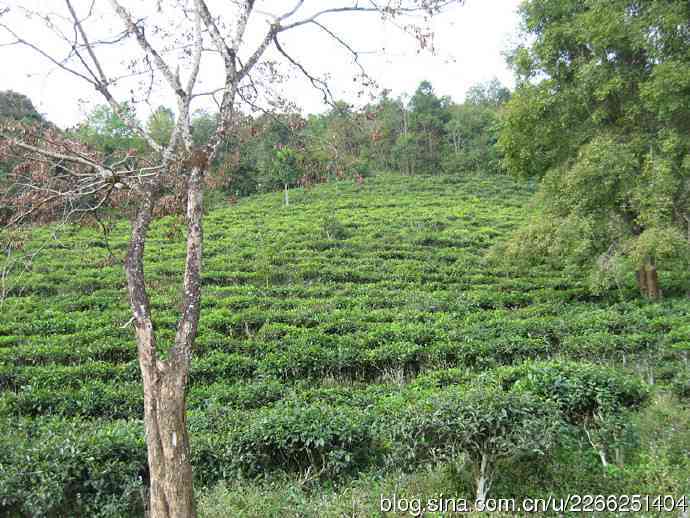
[
  {"x": 423, "y": 135},
  {"x": 418, "y": 297}
]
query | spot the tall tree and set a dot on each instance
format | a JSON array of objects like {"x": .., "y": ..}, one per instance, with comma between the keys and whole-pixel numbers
[
  {"x": 388, "y": 121},
  {"x": 284, "y": 167},
  {"x": 491, "y": 93},
  {"x": 338, "y": 140},
  {"x": 428, "y": 116},
  {"x": 601, "y": 116},
  {"x": 472, "y": 131},
  {"x": 85, "y": 37},
  {"x": 161, "y": 124},
  {"x": 107, "y": 132}
]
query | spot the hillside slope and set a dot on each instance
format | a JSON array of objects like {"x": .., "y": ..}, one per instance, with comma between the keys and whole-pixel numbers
[{"x": 324, "y": 324}]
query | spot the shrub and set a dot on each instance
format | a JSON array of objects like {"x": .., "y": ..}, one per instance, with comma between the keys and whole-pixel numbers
[
  {"x": 329, "y": 440},
  {"x": 581, "y": 390},
  {"x": 442, "y": 378},
  {"x": 594, "y": 397},
  {"x": 488, "y": 425},
  {"x": 57, "y": 468},
  {"x": 332, "y": 228},
  {"x": 240, "y": 395},
  {"x": 96, "y": 399}
]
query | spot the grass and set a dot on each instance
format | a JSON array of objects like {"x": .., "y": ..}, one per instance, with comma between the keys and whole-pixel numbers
[{"x": 353, "y": 302}]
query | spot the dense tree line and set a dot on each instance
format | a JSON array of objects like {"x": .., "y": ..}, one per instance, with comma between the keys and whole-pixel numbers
[{"x": 426, "y": 134}]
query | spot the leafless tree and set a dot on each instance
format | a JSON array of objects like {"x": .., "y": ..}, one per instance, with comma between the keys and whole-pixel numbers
[{"x": 194, "y": 34}]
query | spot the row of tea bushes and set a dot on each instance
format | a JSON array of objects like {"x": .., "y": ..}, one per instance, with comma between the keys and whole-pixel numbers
[
  {"x": 86, "y": 388},
  {"x": 55, "y": 466},
  {"x": 582, "y": 331},
  {"x": 374, "y": 302}
]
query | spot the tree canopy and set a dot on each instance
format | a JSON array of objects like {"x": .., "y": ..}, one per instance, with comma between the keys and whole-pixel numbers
[{"x": 601, "y": 117}]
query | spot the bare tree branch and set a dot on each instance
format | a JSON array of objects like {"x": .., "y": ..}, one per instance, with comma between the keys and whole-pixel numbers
[
  {"x": 37, "y": 49},
  {"x": 172, "y": 78},
  {"x": 101, "y": 82},
  {"x": 317, "y": 83}
]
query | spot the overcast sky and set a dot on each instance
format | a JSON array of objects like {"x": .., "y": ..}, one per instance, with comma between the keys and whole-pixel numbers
[{"x": 469, "y": 39}]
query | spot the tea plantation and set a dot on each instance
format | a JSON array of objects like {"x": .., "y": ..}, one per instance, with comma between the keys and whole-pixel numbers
[{"x": 364, "y": 341}]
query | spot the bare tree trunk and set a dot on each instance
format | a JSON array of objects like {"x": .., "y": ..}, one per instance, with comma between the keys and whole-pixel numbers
[
  {"x": 653, "y": 290},
  {"x": 619, "y": 455},
  {"x": 171, "y": 492},
  {"x": 602, "y": 457},
  {"x": 483, "y": 479},
  {"x": 165, "y": 381},
  {"x": 648, "y": 281},
  {"x": 599, "y": 448},
  {"x": 286, "y": 197}
]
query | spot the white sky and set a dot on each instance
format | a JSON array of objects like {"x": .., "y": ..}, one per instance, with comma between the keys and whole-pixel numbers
[{"x": 469, "y": 39}]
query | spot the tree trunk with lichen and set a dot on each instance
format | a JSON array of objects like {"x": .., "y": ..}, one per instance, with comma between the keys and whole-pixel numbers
[
  {"x": 171, "y": 489},
  {"x": 165, "y": 380}
]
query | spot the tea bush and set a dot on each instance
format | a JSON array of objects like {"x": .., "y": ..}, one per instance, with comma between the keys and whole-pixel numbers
[
  {"x": 580, "y": 390},
  {"x": 331, "y": 330},
  {"x": 489, "y": 425},
  {"x": 53, "y": 468},
  {"x": 287, "y": 437}
]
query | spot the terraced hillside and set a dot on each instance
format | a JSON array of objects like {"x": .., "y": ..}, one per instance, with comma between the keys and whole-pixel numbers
[{"x": 332, "y": 332}]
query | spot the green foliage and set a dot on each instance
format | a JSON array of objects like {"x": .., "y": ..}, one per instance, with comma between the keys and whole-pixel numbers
[
  {"x": 472, "y": 135},
  {"x": 581, "y": 391},
  {"x": 284, "y": 165},
  {"x": 50, "y": 468},
  {"x": 281, "y": 496},
  {"x": 487, "y": 425},
  {"x": 681, "y": 384},
  {"x": 323, "y": 438},
  {"x": 332, "y": 338},
  {"x": 408, "y": 150},
  {"x": 104, "y": 130},
  {"x": 160, "y": 125},
  {"x": 333, "y": 228},
  {"x": 389, "y": 121},
  {"x": 203, "y": 127},
  {"x": 600, "y": 117},
  {"x": 491, "y": 93},
  {"x": 659, "y": 464},
  {"x": 428, "y": 117}
]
